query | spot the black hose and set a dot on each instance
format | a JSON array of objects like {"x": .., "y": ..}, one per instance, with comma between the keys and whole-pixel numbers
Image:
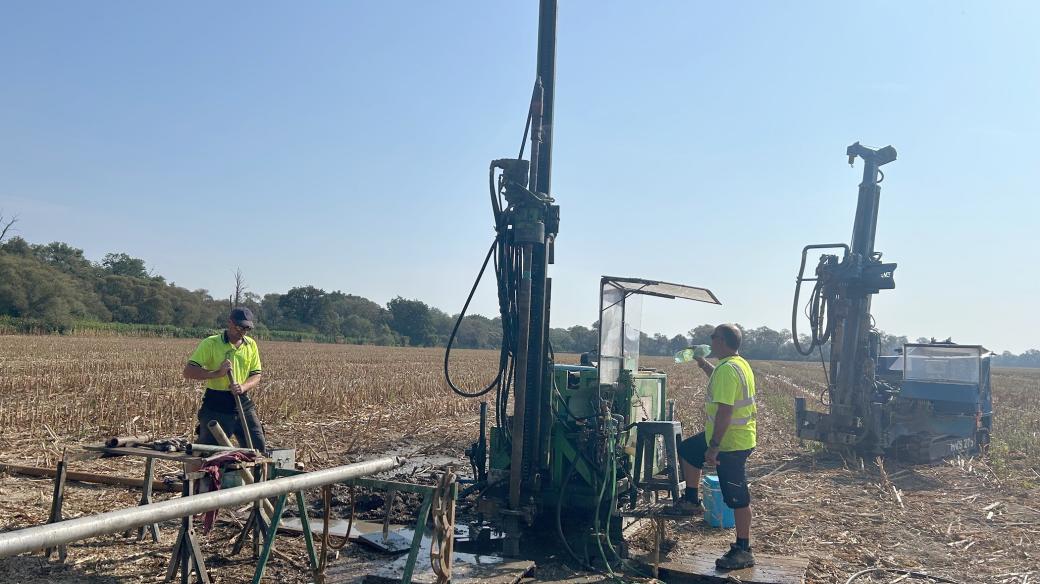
[
  {"x": 820, "y": 306},
  {"x": 819, "y": 312},
  {"x": 584, "y": 564},
  {"x": 503, "y": 355}
]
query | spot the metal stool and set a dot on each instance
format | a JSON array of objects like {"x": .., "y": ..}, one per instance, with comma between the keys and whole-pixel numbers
[{"x": 646, "y": 445}]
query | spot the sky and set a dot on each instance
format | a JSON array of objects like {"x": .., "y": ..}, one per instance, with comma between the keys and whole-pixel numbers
[{"x": 345, "y": 145}]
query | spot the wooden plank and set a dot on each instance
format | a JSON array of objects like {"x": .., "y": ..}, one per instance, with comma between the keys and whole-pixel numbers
[
  {"x": 700, "y": 568},
  {"x": 86, "y": 477},
  {"x": 657, "y": 510}
]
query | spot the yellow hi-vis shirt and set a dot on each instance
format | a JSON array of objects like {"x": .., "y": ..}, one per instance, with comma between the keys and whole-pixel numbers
[
  {"x": 732, "y": 383},
  {"x": 211, "y": 352}
]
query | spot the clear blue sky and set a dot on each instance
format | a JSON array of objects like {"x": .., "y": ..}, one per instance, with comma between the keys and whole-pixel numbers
[{"x": 345, "y": 145}]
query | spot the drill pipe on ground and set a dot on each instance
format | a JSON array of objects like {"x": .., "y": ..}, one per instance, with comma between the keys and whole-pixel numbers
[{"x": 52, "y": 535}]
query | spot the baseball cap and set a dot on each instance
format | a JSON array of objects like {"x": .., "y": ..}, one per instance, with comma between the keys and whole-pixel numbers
[{"x": 242, "y": 316}]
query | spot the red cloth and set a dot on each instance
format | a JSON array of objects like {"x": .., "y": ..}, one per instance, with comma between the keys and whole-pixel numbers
[{"x": 212, "y": 466}]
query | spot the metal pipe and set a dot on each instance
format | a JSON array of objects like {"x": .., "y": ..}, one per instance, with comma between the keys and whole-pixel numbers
[
  {"x": 44, "y": 536},
  {"x": 523, "y": 303},
  {"x": 518, "y": 436},
  {"x": 247, "y": 477},
  {"x": 204, "y": 449},
  {"x": 118, "y": 441},
  {"x": 546, "y": 73}
]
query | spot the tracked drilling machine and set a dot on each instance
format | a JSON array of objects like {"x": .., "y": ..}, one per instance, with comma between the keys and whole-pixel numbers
[
  {"x": 928, "y": 401},
  {"x": 559, "y": 447}
]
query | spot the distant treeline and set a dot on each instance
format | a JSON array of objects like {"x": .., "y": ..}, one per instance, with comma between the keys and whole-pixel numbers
[{"x": 54, "y": 288}]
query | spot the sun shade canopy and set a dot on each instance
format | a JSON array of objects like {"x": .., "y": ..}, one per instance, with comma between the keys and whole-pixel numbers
[{"x": 660, "y": 289}]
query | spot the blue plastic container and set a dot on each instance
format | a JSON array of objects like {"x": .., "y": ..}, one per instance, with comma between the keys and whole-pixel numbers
[{"x": 716, "y": 513}]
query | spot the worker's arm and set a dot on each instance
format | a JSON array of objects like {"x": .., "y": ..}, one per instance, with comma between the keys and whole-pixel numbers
[
  {"x": 706, "y": 367},
  {"x": 251, "y": 382},
  {"x": 200, "y": 373},
  {"x": 723, "y": 416},
  {"x": 252, "y": 379}
]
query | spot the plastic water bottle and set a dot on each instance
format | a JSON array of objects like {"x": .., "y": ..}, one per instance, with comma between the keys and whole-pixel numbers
[{"x": 692, "y": 353}]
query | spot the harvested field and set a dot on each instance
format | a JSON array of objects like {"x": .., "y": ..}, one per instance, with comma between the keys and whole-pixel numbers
[{"x": 969, "y": 520}]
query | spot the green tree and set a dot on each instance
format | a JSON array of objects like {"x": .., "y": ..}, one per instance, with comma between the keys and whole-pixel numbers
[
  {"x": 304, "y": 307},
  {"x": 360, "y": 320},
  {"x": 34, "y": 290},
  {"x": 121, "y": 264},
  {"x": 677, "y": 343},
  {"x": 66, "y": 258},
  {"x": 17, "y": 246},
  {"x": 480, "y": 332},
  {"x": 442, "y": 325},
  {"x": 561, "y": 339},
  {"x": 585, "y": 340},
  {"x": 412, "y": 320},
  {"x": 701, "y": 335}
]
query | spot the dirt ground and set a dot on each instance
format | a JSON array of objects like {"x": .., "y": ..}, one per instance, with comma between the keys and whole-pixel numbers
[{"x": 965, "y": 519}]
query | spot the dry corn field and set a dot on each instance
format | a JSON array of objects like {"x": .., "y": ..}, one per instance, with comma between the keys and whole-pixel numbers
[{"x": 968, "y": 519}]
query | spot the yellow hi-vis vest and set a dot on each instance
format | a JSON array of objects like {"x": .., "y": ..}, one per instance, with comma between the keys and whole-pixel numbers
[{"x": 732, "y": 383}]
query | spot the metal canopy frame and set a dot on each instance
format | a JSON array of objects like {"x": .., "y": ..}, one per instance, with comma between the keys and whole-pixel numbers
[
  {"x": 659, "y": 289},
  {"x": 615, "y": 291}
]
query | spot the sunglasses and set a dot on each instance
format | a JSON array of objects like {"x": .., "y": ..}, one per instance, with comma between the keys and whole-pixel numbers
[{"x": 243, "y": 328}]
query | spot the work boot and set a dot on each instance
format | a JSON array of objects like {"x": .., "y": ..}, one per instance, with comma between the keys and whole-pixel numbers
[
  {"x": 736, "y": 558},
  {"x": 684, "y": 507}
]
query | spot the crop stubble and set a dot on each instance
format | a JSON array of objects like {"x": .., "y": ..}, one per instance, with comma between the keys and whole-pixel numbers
[{"x": 968, "y": 518}]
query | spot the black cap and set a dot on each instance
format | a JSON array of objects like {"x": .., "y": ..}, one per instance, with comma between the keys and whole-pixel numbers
[{"x": 242, "y": 316}]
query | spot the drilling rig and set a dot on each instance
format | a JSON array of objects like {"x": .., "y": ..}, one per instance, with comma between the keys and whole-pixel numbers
[
  {"x": 927, "y": 401},
  {"x": 558, "y": 447}
]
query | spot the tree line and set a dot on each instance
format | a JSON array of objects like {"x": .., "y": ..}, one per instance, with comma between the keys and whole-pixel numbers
[{"x": 56, "y": 286}]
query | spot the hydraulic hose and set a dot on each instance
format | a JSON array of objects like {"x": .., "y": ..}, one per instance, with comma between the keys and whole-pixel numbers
[
  {"x": 818, "y": 308},
  {"x": 503, "y": 353},
  {"x": 559, "y": 515}
]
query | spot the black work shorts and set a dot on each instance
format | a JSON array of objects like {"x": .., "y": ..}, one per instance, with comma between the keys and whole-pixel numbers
[{"x": 731, "y": 469}]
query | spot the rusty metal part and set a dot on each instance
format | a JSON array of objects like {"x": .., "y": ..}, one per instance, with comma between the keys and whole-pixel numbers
[
  {"x": 43, "y": 536},
  {"x": 56, "y": 505},
  {"x": 118, "y": 441},
  {"x": 442, "y": 510}
]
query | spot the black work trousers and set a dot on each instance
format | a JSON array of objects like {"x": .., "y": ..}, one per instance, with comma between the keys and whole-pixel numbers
[{"x": 230, "y": 423}]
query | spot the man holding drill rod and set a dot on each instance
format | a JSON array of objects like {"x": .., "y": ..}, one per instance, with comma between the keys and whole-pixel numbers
[
  {"x": 728, "y": 439},
  {"x": 229, "y": 363}
]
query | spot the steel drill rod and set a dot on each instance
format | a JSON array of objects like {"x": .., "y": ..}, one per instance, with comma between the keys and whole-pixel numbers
[
  {"x": 48, "y": 536},
  {"x": 523, "y": 302},
  {"x": 247, "y": 477},
  {"x": 241, "y": 412},
  {"x": 204, "y": 449}
]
